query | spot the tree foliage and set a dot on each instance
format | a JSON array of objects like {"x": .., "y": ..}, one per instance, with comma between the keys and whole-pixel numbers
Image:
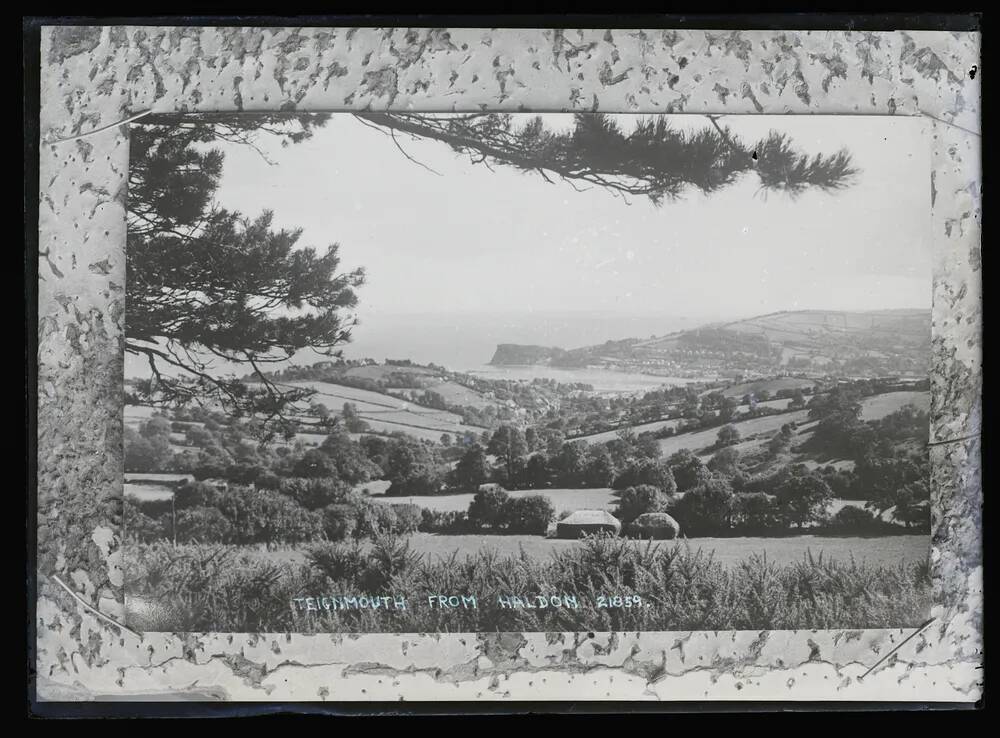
[
  {"x": 208, "y": 286},
  {"x": 655, "y": 160}
]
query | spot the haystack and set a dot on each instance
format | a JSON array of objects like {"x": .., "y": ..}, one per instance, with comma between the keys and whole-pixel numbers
[
  {"x": 587, "y": 522},
  {"x": 656, "y": 525}
]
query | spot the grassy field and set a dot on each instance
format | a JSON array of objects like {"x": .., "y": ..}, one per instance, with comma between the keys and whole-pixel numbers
[
  {"x": 561, "y": 499},
  {"x": 888, "y": 550},
  {"x": 700, "y": 442},
  {"x": 637, "y": 429},
  {"x": 874, "y": 408},
  {"x": 381, "y": 371},
  {"x": 136, "y": 415},
  {"x": 387, "y": 414},
  {"x": 881, "y": 551},
  {"x": 455, "y": 393}
]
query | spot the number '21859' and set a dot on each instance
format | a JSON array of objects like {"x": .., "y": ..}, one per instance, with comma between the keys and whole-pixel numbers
[{"x": 619, "y": 601}]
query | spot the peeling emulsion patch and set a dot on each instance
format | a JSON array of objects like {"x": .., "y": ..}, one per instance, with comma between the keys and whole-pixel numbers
[{"x": 96, "y": 76}]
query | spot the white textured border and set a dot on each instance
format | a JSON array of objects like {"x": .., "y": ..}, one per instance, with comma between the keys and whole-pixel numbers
[{"x": 92, "y": 77}]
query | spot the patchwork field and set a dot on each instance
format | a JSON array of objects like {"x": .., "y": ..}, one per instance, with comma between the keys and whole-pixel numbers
[
  {"x": 637, "y": 429},
  {"x": 387, "y": 414},
  {"x": 701, "y": 442},
  {"x": 561, "y": 499},
  {"x": 458, "y": 394},
  {"x": 874, "y": 408},
  {"x": 382, "y": 371}
]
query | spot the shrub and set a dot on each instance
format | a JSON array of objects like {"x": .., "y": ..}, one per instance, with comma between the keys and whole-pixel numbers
[
  {"x": 444, "y": 521},
  {"x": 263, "y": 516},
  {"x": 203, "y": 525},
  {"x": 144, "y": 454},
  {"x": 337, "y": 561},
  {"x": 422, "y": 482},
  {"x": 688, "y": 470},
  {"x": 140, "y": 526},
  {"x": 408, "y": 518},
  {"x": 728, "y": 435},
  {"x": 779, "y": 443},
  {"x": 390, "y": 560},
  {"x": 314, "y": 493},
  {"x": 856, "y": 520},
  {"x": 375, "y": 518},
  {"x": 647, "y": 471},
  {"x": 339, "y": 521},
  {"x": 803, "y": 499},
  {"x": 489, "y": 508},
  {"x": 315, "y": 463},
  {"x": 268, "y": 480},
  {"x": 706, "y": 509},
  {"x": 530, "y": 514},
  {"x": 756, "y": 513},
  {"x": 636, "y": 501},
  {"x": 725, "y": 461},
  {"x": 195, "y": 494}
]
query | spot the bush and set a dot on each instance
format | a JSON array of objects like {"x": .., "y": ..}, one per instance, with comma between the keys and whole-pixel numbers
[
  {"x": 268, "y": 480},
  {"x": 195, "y": 494},
  {"x": 803, "y": 499},
  {"x": 408, "y": 518},
  {"x": 855, "y": 520},
  {"x": 314, "y": 493},
  {"x": 647, "y": 472},
  {"x": 375, "y": 518},
  {"x": 314, "y": 463},
  {"x": 705, "y": 510},
  {"x": 263, "y": 516},
  {"x": 530, "y": 514},
  {"x": 337, "y": 561},
  {"x": 489, "y": 508},
  {"x": 725, "y": 461},
  {"x": 636, "y": 501},
  {"x": 756, "y": 513},
  {"x": 203, "y": 525},
  {"x": 339, "y": 521},
  {"x": 140, "y": 526},
  {"x": 688, "y": 470},
  {"x": 728, "y": 435},
  {"x": 420, "y": 483},
  {"x": 444, "y": 521}
]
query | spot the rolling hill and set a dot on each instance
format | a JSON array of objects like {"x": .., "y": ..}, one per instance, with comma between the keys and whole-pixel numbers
[{"x": 812, "y": 342}]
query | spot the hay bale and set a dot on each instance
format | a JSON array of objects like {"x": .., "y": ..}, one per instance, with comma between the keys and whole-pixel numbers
[
  {"x": 657, "y": 525},
  {"x": 587, "y": 522}
]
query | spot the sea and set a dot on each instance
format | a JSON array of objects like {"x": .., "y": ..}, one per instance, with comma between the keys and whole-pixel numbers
[{"x": 466, "y": 342}]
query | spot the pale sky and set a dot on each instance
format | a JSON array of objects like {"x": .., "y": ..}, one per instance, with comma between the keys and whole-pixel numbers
[{"x": 473, "y": 242}]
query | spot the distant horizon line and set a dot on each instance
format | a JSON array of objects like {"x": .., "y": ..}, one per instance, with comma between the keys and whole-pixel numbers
[{"x": 646, "y": 313}]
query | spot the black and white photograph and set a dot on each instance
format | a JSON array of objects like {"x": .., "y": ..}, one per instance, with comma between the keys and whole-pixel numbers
[{"x": 400, "y": 372}]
